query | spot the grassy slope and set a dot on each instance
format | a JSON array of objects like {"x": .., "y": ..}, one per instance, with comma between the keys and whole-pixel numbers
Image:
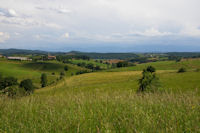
[
  {"x": 33, "y": 70},
  {"x": 107, "y": 102}
]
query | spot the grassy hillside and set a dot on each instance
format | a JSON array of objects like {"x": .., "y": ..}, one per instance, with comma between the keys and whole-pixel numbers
[
  {"x": 33, "y": 70},
  {"x": 108, "y": 102}
]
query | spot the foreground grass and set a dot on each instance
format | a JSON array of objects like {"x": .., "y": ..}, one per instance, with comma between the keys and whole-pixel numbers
[
  {"x": 103, "y": 102},
  {"x": 81, "y": 111}
]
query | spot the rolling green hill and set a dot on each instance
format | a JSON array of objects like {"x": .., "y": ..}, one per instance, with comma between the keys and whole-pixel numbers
[{"x": 108, "y": 102}]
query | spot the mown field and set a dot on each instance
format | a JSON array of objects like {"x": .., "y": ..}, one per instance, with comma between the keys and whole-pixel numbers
[{"x": 108, "y": 102}]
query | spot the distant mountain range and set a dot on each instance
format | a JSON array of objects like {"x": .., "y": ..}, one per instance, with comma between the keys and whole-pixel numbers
[{"x": 93, "y": 55}]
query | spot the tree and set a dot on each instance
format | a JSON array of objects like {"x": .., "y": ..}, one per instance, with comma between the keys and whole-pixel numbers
[
  {"x": 66, "y": 68},
  {"x": 62, "y": 74},
  {"x": 151, "y": 69},
  {"x": 97, "y": 68},
  {"x": 28, "y": 86},
  {"x": 149, "y": 81},
  {"x": 44, "y": 80},
  {"x": 122, "y": 64},
  {"x": 90, "y": 66},
  {"x": 181, "y": 70}
]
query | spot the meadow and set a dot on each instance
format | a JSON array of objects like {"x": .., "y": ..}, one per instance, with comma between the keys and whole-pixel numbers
[{"x": 107, "y": 101}]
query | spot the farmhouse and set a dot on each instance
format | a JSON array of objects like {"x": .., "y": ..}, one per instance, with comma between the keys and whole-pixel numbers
[
  {"x": 51, "y": 57},
  {"x": 19, "y": 58}
]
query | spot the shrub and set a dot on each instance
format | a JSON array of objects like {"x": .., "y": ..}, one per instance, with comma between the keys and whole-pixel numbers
[
  {"x": 27, "y": 85},
  {"x": 181, "y": 70},
  {"x": 62, "y": 74},
  {"x": 14, "y": 91},
  {"x": 66, "y": 68},
  {"x": 44, "y": 80},
  {"x": 53, "y": 73}
]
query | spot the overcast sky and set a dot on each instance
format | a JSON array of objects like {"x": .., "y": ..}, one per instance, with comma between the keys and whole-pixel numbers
[{"x": 100, "y": 25}]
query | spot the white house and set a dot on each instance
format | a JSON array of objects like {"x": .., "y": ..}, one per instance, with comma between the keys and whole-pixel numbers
[{"x": 19, "y": 58}]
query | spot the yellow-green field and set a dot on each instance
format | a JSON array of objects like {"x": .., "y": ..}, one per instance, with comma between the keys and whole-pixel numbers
[{"x": 108, "y": 102}]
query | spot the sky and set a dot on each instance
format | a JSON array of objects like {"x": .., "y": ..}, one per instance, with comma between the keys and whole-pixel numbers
[{"x": 100, "y": 25}]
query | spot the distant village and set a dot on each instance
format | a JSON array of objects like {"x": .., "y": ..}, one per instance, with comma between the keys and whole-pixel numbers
[{"x": 49, "y": 57}]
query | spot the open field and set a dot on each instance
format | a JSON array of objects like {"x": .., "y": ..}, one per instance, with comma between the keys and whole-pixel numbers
[{"x": 108, "y": 102}]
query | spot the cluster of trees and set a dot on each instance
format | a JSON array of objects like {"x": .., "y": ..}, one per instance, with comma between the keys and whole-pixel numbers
[
  {"x": 66, "y": 58},
  {"x": 123, "y": 64},
  {"x": 11, "y": 87}
]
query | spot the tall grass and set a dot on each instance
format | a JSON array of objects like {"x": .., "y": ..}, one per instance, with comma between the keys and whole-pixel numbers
[{"x": 81, "y": 111}]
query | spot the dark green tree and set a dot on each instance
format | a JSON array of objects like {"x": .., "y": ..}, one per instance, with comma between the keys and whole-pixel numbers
[
  {"x": 66, "y": 68},
  {"x": 149, "y": 81},
  {"x": 28, "y": 86},
  {"x": 182, "y": 70},
  {"x": 44, "y": 80}
]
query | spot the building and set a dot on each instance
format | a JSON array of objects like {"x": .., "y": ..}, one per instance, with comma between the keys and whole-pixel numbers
[
  {"x": 1, "y": 56},
  {"x": 51, "y": 57},
  {"x": 19, "y": 58}
]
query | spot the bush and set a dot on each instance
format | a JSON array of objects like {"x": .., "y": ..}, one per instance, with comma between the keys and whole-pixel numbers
[
  {"x": 44, "y": 80},
  {"x": 181, "y": 70},
  {"x": 62, "y": 74},
  {"x": 8, "y": 81},
  {"x": 53, "y": 73},
  {"x": 66, "y": 68},
  {"x": 27, "y": 85},
  {"x": 14, "y": 91}
]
